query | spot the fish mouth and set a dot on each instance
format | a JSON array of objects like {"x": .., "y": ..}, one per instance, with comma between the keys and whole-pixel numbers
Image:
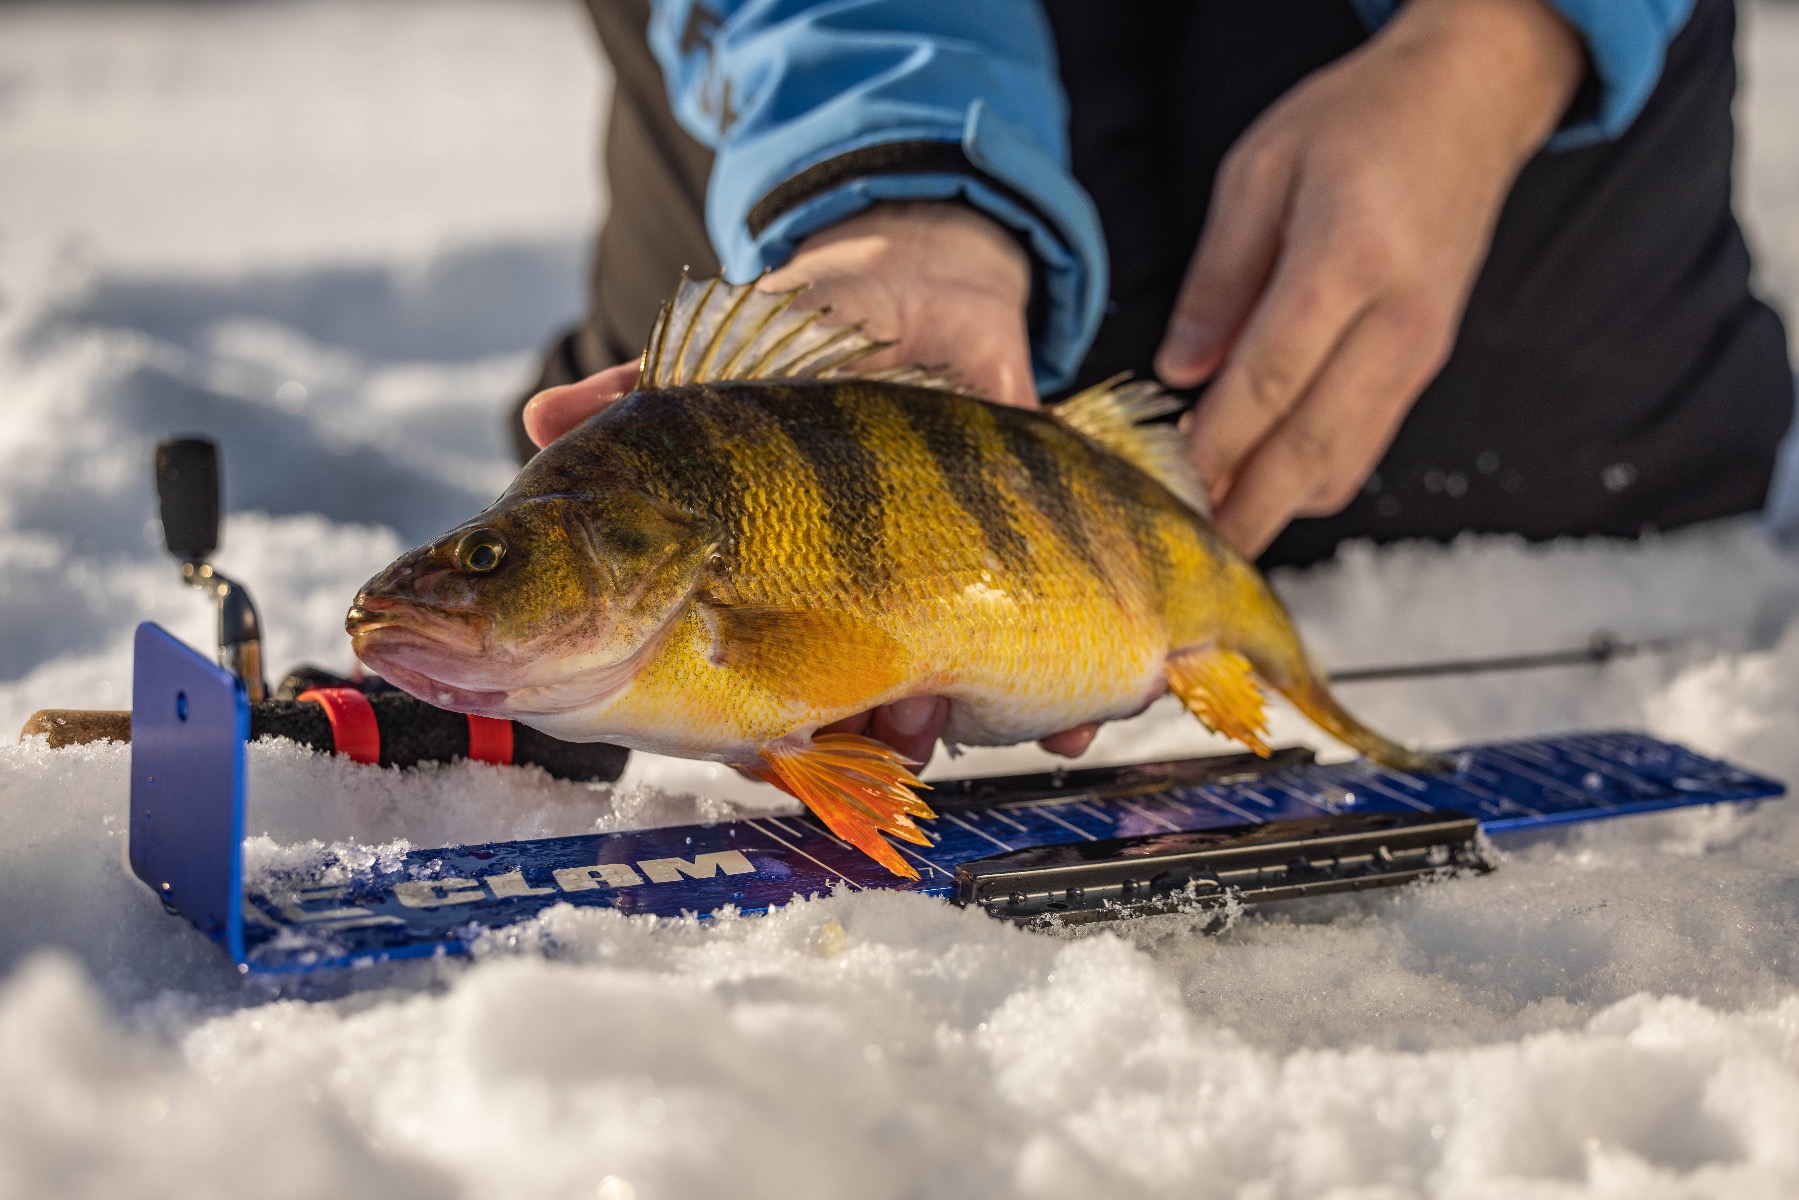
[
  {"x": 375, "y": 616},
  {"x": 481, "y": 702},
  {"x": 446, "y": 659},
  {"x": 435, "y": 656}
]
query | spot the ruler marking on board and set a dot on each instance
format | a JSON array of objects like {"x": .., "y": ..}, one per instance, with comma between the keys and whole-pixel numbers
[
  {"x": 1149, "y": 816},
  {"x": 1045, "y": 812},
  {"x": 950, "y": 816},
  {"x": 1374, "y": 781},
  {"x": 830, "y": 869},
  {"x": 782, "y": 826},
  {"x": 1227, "y": 806},
  {"x": 997, "y": 815}
]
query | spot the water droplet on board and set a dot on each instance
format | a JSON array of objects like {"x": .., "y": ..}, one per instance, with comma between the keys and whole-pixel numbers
[{"x": 1618, "y": 476}]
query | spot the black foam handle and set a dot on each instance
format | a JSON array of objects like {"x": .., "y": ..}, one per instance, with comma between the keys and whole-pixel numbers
[
  {"x": 187, "y": 493},
  {"x": 413, "y": 732}
]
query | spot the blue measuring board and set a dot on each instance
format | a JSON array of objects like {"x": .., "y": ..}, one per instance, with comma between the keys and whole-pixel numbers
[{"x": 438, "y": 901}]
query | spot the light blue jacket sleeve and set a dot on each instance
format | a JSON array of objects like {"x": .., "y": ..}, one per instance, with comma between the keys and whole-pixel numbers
[
  {"x": 1627, "y": 41},
  {"x": 817, "y": 110}
]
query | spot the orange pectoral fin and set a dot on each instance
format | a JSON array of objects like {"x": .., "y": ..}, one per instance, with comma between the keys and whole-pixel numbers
[
  {"x": 1219, "y": 687},
  {"x": 824, "y": 659},
  {"x": 858, "y": 787}
]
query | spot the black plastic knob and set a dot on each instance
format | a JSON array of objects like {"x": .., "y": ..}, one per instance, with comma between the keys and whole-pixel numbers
[{"x": 187, "y": 493}]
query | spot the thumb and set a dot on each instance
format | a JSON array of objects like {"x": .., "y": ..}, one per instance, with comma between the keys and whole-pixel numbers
[
  {"x": 554, "y": 411},
  {"x": 1006, "y": 378}
]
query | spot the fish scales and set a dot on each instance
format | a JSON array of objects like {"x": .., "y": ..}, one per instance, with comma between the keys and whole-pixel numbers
[
  {"x": 716, "y": 568},
  {"x": 1008, "y": 623}
]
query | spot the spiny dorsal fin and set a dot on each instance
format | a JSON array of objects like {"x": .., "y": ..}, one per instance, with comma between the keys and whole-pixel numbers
[
  {"x": 1114, "y": 414},
  {"x": 917, "y": 376},
  {"x": 712, "y": 330}
]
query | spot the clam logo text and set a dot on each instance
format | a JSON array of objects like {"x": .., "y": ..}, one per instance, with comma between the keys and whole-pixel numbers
[{"x": 325, "y": 906}]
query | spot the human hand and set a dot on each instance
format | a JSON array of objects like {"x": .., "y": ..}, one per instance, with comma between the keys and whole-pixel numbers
[
  {"x": 945, "y": 284},
  {"x": 949, "y": 288},
  {"x": 1346, "y": 229}
]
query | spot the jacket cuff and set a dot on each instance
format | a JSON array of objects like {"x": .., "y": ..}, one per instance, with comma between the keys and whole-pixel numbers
[
  {"x": 757, "y": 222},
  {"x": 1626, "y": 43}
]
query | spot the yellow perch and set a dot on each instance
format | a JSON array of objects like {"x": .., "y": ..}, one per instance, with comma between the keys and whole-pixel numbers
[{"x": 761, "y": 541}]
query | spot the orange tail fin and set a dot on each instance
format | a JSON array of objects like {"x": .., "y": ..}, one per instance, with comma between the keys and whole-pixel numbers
[{"x": 858, "y": 787}]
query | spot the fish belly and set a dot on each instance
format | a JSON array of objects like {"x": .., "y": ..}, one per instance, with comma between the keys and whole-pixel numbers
[
  {"x": 1023, "y": 679},
  {"x": 1001, "y": 717}
]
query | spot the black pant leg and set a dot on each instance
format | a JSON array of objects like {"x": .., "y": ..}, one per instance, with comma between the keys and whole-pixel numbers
[{"x": 655, "y": 221}]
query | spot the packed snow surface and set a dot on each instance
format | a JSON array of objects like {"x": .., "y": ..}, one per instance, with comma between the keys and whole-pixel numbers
[{"x": 332, "y": 235}]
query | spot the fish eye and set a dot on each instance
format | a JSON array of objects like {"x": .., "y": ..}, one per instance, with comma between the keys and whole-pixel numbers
[{"x": 480, "y": 550}]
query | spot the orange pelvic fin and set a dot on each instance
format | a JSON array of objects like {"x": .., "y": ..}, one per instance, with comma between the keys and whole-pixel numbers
[
  {"x": 1219, "y": 687},
  {"x": 858, "y": 787}
]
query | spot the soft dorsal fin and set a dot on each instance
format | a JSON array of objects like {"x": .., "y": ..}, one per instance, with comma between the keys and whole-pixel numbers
[
  {"x": 712, "y": 330},
  {"x": 1114, "y": 414}
]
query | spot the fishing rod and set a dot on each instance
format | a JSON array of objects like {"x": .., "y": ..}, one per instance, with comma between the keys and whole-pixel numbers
[{"x": 1603, "y": 647}]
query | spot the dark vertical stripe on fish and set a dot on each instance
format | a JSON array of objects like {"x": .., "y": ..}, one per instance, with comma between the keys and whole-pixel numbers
[
  {"x": 1047, "y": 486},
  {"x": 1138, "y": 502},
  {"x": 956, "y": 449},
  {"x": 679, "y": 451},
  {"x": 849, "y": 476}
]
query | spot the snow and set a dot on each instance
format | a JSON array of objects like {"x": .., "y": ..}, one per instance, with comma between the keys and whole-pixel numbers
[{"x": 332, "y": 235}]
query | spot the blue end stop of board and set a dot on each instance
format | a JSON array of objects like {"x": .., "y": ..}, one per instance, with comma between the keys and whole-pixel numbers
[{"x": 189, "y": 722}]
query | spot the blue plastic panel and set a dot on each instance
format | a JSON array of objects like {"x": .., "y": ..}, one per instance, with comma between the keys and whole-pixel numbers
[
  {"x": 189, "y": 720},
  {"x": 436, "y": 900}
]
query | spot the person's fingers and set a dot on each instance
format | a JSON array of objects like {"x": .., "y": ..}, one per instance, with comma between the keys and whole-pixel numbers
[
  {"x": 976, "y": 338},
  {"x": 1313, "y": 298},
  {"x": 853, "y": 724},
  {"x": 1236, "y": 251},
  {"x": 1317, "y": 459},
  {"x": 981, "y": 347},
  {"x": 554, "y": 411},
  {"x": 1005, "y": 375},
  {"x": 945, "y": 284},
  {"x": 1071, "y": 743},
  {"x": 911, "y": 726}
]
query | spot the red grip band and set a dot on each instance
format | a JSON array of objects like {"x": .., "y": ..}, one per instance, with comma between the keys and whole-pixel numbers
[
  {"x": 352, "y": 717},
  {"x": 489, "y": 740}
]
